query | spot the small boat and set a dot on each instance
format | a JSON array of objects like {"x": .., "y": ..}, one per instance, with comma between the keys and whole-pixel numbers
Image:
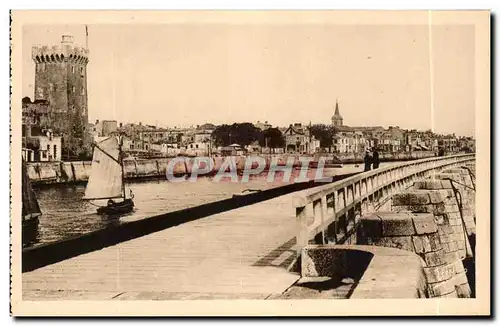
[
  {"x": 30, "y": 209},
  {"x": 246, "y": 192},
  {"x": 106, "y": 180}
]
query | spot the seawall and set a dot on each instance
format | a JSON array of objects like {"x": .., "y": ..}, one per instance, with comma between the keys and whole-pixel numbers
[{"x": 48, "y": 173}]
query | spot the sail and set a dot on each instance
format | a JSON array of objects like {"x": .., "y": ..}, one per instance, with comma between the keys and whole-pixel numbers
[
  {"x": 30, "y": 204},
  {"x": 105, "y": 180}
]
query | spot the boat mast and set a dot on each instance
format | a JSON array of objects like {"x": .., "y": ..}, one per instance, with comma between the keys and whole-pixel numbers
[{"x": 120, "y": 155}]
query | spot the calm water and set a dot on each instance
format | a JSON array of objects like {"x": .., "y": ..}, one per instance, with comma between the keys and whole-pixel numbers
[{"x": 65, "y": 214}]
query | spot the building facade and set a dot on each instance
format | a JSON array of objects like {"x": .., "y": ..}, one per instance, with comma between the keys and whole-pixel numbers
[
  {"x": 298, "y": 139},
  {"x": 41, "y": 145}
]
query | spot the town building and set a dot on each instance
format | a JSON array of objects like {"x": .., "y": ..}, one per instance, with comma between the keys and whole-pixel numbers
[
  {"x": 349, "y": 142},
  {"x": 105, "y": 128},
  {"x": 448, "y": 143},
  {"x": 41, "y": 145},
  {"x": 61, "y": 79},
  {"x": 298, "y": 139},
  {"x": 263, "y": 125}
]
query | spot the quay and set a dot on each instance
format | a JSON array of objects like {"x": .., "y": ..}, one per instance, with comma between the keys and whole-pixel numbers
[
  {"x": 401, "y": 231},
  {"x": 48, "y": 173}
]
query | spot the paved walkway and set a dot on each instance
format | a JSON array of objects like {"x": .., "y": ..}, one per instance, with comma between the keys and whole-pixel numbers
[{"x": 242, "y": 253}]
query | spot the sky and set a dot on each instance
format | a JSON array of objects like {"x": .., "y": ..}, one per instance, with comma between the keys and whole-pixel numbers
[{"x": 180, "y": 75}]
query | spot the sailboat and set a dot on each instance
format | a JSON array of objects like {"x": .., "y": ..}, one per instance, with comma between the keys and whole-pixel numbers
[{"x": 106, "y": 180}]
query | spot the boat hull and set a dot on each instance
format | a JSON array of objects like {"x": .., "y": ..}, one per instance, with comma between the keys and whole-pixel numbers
[{"x": 122, "y": 207}]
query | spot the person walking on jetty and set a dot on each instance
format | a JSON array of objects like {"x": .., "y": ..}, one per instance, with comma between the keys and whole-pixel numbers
[
  {"x": 376, "y": 159},
  {"x": 368, "y": 160}
]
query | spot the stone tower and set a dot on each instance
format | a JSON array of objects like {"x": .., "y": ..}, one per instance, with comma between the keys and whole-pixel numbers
[
  {"x": 61, "y": 78},
  {"x": 337, "y": 120}
]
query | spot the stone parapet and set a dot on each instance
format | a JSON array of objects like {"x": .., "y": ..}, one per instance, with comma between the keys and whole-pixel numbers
[{"x": 423, "y": 234}]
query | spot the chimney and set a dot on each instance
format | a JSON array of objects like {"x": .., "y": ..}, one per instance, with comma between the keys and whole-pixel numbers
[
  {"x": 97, "y": 121},
  {"x": 67, "y": 39},
  {"x": 121, "y": 125}
]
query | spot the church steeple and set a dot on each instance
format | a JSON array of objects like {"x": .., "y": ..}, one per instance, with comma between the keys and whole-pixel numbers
[{"x": 337, "y": 119}]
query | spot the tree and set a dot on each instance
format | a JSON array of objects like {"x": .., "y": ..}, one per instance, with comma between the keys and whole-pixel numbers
[
  {"x": 323, "y": 133},
  {"x": 272, "y": 138},
  {"x": 240, "y": 133}
]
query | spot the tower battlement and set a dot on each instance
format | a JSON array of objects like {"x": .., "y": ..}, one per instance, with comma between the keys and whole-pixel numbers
[
  {"x": 61, "y": 80},
  {"x": 67, "y": 51}
]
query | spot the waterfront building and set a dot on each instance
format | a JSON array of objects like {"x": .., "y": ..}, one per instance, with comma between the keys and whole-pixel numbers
[
  {"x": 41, "y": 145},
  {"x": 349, "y": 142},
  {"x": 298, "y": 139},
  {"x": 449, "y": 143}
]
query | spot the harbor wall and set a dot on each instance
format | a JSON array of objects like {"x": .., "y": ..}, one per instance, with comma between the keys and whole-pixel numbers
[{"x": 42, "y": 173}]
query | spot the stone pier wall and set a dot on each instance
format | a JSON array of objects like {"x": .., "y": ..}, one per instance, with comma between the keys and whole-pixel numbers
[
  {"x": 419, "y": 233},
  {"x": 435, "y": 218}
]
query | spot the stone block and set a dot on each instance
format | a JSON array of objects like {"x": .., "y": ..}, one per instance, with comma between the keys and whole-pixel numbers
[
  {"x": 452, "y": 208},
  {"x": 370, "y": 226},
  {"x": 438, "y": 209},
  {"x": 434, "y": 258},
  {"x": 435, "y": 197},
  {"x": 428, "y": 184},
  {"x": 451, "y": 257},
  {"x": 439, "y": 273},
  {"x": 455, "y": 222},
  {"x": 411, "y": 199},
  {"x": 450, "y": 246},
  {"x": 454, "y": 215},
  {"x": 441, "y": 288},
  {"x": 463, "y": 291},
  {"x": 435, "y": 241},
  {"x": 404, "y": 242},
  {"x": 424, "y": 223},
  {"x": 446, "y": 229},
  {"x": 459, "y": 268},
  {"x": 459, "y": 229},
  {"x": 421, "y": 244},
  {"x": 441, "y": 219},
  {"x": 396, "y": 224},
  {"x": 450, "y": 295},
  {"x": 446, "y": 184}
]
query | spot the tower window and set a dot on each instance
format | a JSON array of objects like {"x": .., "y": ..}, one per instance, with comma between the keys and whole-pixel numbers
[
  {"x": 72, "y": 69},
  {"x": 81, "y": 70},
  {"x": 74, "y": 89},
  {"x": 51, "y": 87},
  {"x": 82, "y": 92}
]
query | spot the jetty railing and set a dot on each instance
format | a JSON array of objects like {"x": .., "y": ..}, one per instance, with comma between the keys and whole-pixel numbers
[{"x": 328, "y": 214}]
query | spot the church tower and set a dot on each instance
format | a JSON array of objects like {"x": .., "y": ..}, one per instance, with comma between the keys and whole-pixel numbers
[
  {"x": 61, "y": 78},
  {"x": 337, "y": 120}
]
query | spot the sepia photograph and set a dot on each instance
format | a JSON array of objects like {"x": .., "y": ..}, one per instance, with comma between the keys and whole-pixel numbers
[{"x": 267, "y": 163}]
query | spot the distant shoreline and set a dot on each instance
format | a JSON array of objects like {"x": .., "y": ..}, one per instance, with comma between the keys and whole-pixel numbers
[{"x": 77, "y": 172}]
